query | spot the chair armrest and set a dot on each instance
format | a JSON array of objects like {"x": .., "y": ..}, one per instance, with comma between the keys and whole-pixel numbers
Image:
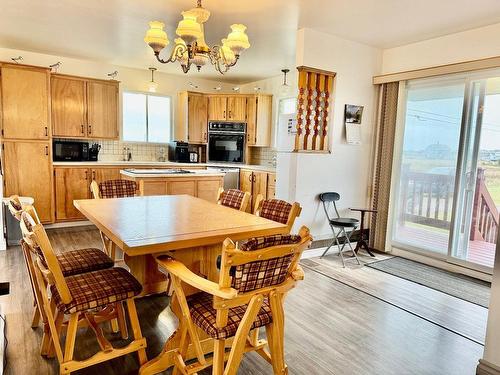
[
  {"x": 178, "y": 269},
  {"x": 298, "y": 274}
]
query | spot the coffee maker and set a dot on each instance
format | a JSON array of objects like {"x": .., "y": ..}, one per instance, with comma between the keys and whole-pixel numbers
[{"x": 178, "y": 151}]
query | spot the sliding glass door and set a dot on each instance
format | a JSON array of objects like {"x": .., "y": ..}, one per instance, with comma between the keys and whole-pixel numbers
[{"x": 448, "y": 193}]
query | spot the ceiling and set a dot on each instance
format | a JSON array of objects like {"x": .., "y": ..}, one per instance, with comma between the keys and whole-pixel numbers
[{"x": 112, "y": 31}]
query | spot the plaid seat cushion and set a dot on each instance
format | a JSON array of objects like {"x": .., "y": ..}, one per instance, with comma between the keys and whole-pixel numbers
[
  {"x": 83, "y": 260},
  {"x": 204, "y": 316},
  {"x": 117, "y": 189},
  {"x": 263, "y": 273},
  {"x": 97, "y": 289},
  {"x": 232, "y": 198},
  {"x": 276, "y": 210}
]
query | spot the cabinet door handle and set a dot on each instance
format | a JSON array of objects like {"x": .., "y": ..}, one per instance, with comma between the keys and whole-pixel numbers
[
  {"x": 205, "y": 137},
  {"x": 224, "y": 115},
  {"x": 46, "y": 150},
  {"x": 46, "y": 131},
  {"x": 250, "y": 177},
  {"x": 90, "y": 129},
  {"x": 248, "y": 137},
  {"x": 82, "y": 129},
  {"x": 254, "y": 178},
  {"x": 93, "y": 175},
  {"x": 229, "y": 114},
  {"x": 86, "y": 175}
]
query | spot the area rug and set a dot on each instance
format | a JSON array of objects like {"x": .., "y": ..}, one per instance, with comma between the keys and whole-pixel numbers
[{"x": 457, "y": 285}]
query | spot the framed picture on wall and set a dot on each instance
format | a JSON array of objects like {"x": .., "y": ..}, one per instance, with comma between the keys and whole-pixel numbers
[{"x": 353, "y": 114}]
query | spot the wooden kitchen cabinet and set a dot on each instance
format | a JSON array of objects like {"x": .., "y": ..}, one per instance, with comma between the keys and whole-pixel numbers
[
  {"x": 217, "y": 108},
  {"x": 102, "y": 109},
  {"x": 271, "y": 185},
  {"x": 227, "y": 108},
  {"x": 255, "y": 183},
  {"x": 237, "y": 108},
  {"x": 25, "y": 102},
  {"x": 28, "y": 172},
  {"x": 70, "y": 184},
  {"x": 84, "y": 108},
  {"x": 192, "y": 118},
  {"x": 259, "y": 123},
  {"x": 208, "y": 189},
  {"x": 103, "y": 174},
  {"x": 69, "y": 106}
]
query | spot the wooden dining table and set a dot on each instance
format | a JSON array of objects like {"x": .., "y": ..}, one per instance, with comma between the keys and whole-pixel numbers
[{"x": 188, "y": 229}]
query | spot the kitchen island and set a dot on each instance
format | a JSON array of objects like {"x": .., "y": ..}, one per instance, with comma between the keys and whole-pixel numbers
[{"x": 196, "y": 182}]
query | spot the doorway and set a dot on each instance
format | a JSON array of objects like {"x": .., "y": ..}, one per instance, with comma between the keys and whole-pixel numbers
[{"x": 448, "y": 194}]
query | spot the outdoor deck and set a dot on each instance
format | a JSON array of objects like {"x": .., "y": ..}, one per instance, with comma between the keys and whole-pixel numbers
[{"x": 480, "y": 252}]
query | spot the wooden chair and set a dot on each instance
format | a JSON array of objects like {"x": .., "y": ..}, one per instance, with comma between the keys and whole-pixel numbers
[
  {"x": 86, "y": 298},
  {"x": 112, "y": 189},
  {"x": 277, "y": 210},
  {"x": 72, "y": 262},
  {"x": 253, "y": 283},
  {"x": 233, "y": 198}
]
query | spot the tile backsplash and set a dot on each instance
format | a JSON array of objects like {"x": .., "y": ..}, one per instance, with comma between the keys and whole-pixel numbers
[{"x": 262, "y": 156}]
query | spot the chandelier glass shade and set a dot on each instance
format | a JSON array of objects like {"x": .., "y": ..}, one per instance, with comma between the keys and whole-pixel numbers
[{"x": 191, "y": 48}]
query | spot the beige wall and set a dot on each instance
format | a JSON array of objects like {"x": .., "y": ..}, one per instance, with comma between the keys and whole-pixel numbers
[{"x": 465, "y": 46}]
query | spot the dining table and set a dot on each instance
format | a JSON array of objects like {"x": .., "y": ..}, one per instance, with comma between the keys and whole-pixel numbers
[{"x": 189, "y": 229}]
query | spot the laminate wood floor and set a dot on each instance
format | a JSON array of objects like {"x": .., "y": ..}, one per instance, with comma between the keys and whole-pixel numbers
[{"x": 331, "y": 328}]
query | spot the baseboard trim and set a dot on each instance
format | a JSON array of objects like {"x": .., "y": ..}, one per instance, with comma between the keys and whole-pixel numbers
[{"x": 487, "y": 368}]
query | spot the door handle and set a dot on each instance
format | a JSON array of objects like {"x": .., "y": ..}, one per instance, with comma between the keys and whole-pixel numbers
[
  {"x": 90, "y": 129},
  {"x": 465, "y": 210},
  {"x": 205, "y": 137},
  {"x": 86, "y": 175},
  {"x": 46, "y": 131},
  {"x": 230, "y": 114},
  {"x": 82, "y": 129},
  {"x": 254, "y": 178},
  {"x": 224, "y": 115},
  {"x": 250, "y": 176},
  {"x": 93, "y": 175},
  {"x": 46, "y": 150}
]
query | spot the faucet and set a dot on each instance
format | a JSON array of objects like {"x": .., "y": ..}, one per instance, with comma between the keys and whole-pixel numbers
[{"x": 274, "y": 161}]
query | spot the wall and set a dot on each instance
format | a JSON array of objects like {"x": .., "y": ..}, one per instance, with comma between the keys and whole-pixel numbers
[
  {"x": 347, "y": 170},
  {"x": 465, "y": 46}
]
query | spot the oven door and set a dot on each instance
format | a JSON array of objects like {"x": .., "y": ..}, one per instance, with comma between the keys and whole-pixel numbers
[{"x": 226, "y": 147}]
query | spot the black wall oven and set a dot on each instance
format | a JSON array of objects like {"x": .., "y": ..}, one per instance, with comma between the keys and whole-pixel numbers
[{"x": 226, "y": 142}]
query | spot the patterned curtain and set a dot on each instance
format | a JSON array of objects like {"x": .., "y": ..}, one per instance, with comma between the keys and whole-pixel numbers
[{"x": 386, "y": 129}]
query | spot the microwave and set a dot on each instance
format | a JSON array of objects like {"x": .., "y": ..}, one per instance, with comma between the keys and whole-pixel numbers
[{"x": 70, "y": 151}]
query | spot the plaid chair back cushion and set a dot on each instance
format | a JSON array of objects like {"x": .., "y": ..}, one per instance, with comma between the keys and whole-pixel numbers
[
  {"x": 117, "y": 188},
  {"x": 276, "y": 210},
  {"x": 263, "y": 273},
  {"x": 232, "y": 198}
]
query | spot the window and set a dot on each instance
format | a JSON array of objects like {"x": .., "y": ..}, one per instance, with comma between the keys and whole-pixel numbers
[
  {"x": 288, "y": 106},
  {"x": 146, "y": 117}
]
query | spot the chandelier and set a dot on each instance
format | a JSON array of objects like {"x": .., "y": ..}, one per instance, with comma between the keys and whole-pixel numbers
[{"x": 190, "y": 47}]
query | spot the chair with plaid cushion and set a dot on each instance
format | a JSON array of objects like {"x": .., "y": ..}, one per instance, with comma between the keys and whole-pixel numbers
[
  {"x": 112, "y": 189},
  {"x": 253, "y": 283},
  {"x": 72, "y": 262},
  {"x": 233, "y": 198},
  {"x": 87, "y": 299},
  {"x": 277, "y": 210}
]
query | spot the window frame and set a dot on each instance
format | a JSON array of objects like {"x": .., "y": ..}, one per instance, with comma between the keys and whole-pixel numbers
[{"x": 171, "y": 117}]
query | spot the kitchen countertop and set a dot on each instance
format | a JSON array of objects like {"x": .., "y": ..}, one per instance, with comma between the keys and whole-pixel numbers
[
  {"x": 131, "y": 164},
  {"x": 159, "y": 173}
]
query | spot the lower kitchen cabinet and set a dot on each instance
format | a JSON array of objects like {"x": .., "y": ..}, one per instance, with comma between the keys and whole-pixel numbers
[
  {"x": 104, "y": 174},
  {"x": 255, "y": 183},
  {"x": 28, "y": 172},
  {"x": 70, "y": 184},
  {"x": 271, "y": 185},
  {"x": 208, "y": 189}
]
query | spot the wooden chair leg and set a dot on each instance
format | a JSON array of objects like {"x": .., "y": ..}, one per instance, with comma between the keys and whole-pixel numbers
[
  {"x": 136, "y": 329},
  {"x": 58, "y": 321},
  {"x": 122, "y": 324},
  {"x": 183, "y": 346},
  {"x": 275, "y": 334},
  {"x": 35, "y": 322},
  {"x": 240, "y": 339},
  {"x": 69, "y": 347},
  {"x": 219, "y": 353}
]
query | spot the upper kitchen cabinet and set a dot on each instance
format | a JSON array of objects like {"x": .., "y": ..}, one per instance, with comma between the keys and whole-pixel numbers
[
  {"x": 259, "y": 124},
  {"x": 102, "y": 109},
  {"x": 84, "y": 108},
  {"x": 192, "y": 118},
  {"x": 69, "y": 106},
  {"x": 227, "y": 108},
  {"x": 237, "y": 108},
  {"x": 25, "y": 102},
  {"x": 217, "y": 108}
]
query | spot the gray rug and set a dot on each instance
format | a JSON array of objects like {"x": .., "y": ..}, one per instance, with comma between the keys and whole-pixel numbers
[{"x": 457, "y": 285}]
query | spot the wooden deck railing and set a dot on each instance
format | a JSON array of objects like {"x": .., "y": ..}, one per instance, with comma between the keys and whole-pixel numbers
[
  {"x": 428, "y": 198},
  {"x": 485, "y": 216}
]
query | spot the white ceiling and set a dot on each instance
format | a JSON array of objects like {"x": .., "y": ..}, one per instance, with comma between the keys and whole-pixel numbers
[{"x": 112, "y": 31}]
